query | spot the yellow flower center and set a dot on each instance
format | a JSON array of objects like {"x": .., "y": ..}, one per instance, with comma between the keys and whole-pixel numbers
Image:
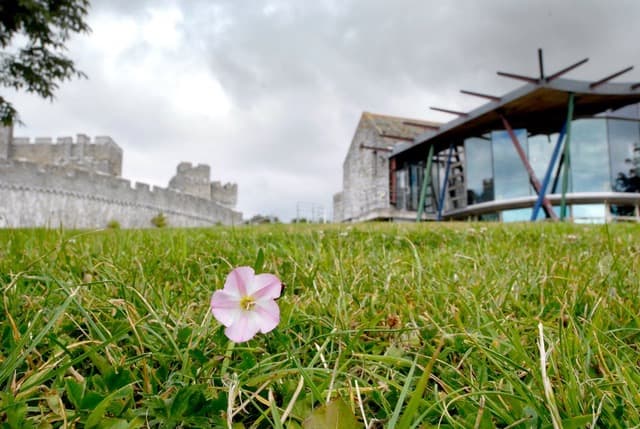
[{"x": 247, "y": 303}]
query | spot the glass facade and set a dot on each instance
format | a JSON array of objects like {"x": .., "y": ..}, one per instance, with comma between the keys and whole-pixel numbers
[
  {"x": 589, "y": 156},
  {"x": 509, "y": 177},
  {"x": 540, "y": 150},
  {"x": 605, "y": 157},
  {"x": 479, "y": 170},
  {"x": 624, "y": 153}
]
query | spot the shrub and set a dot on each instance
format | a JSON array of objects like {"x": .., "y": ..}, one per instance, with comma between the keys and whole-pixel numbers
[{"x": 159, "y": 221}]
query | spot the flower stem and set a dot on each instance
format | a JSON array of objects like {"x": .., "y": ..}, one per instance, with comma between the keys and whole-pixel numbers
[{"x": 227, "y": 358}]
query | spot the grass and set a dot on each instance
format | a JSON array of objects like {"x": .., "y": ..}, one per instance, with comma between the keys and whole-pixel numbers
[{"x": 383, "y": 325}]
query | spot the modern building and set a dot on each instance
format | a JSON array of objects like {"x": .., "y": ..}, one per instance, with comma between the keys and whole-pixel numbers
[{"x": 554, "y": 148}]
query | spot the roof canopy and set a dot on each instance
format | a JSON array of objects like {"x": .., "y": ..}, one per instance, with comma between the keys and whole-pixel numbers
[{"x": 539, "y": 107}]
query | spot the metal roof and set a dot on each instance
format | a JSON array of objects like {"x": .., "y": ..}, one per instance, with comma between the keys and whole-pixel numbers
[{"x": 540, "y": 107}]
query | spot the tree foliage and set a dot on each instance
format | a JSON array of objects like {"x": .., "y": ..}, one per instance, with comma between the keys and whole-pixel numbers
[{"x": 33, "y": 34}]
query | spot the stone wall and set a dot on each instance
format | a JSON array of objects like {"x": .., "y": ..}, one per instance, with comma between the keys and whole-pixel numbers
[
  {"x": 365, "y": 175},
  {"x": 225, "y": 193},
  {"x": 192, "y": 180},
  {"x": 101, "y": 155},
  {"x": 338, "y": 211},
  {"x": 5, "y": 142},
  {"x": 35, "y": 195},
  {"x": 77, "y": 184},
  {"x": 195, "y": 181}
]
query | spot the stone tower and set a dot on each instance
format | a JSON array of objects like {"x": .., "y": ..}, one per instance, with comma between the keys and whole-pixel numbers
[
  {"x": 192, "y": 180},
  {"x": 6, "y": 135}
]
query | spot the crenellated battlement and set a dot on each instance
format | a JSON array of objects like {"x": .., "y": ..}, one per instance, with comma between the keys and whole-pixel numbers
[
  {"x": 114, "y": 197},
  {"x": 89, "y": 172},
  {"x": 101, "y": 154},
  {"x": 196, "y": 181},
  {"x": 81, "y": 139},
  {"x": 226, "y": 194}
]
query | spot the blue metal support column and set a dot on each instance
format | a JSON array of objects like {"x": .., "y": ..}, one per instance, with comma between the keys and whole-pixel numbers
[
  {"x": 444, "y": 183},
  {"x": 547, "y": 176},
  {"x": 426, "y": 183},
  {"x": 567, "y": 161}
]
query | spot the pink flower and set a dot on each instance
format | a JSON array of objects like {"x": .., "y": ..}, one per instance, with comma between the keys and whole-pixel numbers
[{"x": 246, "y": 305}]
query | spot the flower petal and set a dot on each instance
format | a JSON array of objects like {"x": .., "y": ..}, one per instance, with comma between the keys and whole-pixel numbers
[
  {"x": 267, "y": 313},
  {"x": 225, "y": 307},
  {"x": 244, "y": 328},
  {"x": 266, "y": 286},
  {"x": 239, "y": 280}
]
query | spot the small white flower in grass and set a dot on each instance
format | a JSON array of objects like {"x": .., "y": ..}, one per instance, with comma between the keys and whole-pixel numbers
[{"x": 246, "y": 305}]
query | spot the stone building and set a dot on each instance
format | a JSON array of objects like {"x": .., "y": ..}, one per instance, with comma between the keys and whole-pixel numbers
[
  {"x": 78, "y": 184},
  {"x": 369, "y": 191}
]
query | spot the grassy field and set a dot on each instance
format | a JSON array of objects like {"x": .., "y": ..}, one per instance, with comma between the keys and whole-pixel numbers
[{"x": 383, "y": 325}]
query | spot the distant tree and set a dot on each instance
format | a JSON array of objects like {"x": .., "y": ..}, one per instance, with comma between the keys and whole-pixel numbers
[
  {"x": 33, "y": 34},
  {"x": 260, "y": 219}
]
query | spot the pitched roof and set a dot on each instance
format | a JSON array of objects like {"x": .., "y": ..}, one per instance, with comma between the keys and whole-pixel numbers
[{"x": 394, "y": 126}]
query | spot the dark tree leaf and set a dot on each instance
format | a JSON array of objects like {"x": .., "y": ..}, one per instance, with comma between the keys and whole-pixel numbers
[{"x": 39, "y": 65}]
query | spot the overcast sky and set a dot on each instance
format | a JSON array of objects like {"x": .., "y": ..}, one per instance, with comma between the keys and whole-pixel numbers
[{"x": 269, "y": 93}]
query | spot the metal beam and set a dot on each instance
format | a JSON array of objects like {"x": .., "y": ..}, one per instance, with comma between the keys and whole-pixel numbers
[
  {"x": 635, "y": 86},
  {"x": 608, "y": 78},
  {"x": 453, "y": 112},
  {"x": 391, "y": 136},
  {"x": 373, "y": 148},
  {"x": 444, "y": 183},
  {"x": 478, "y": 94},
  {"x": 566, "y": 70},
  {"x": 418, "y": 124},
  {"x": 540, "y": 64},
  {"x": 426, "y": 183},
  {"x": 547, "y": 176},
  {"x": 567, "y": 161},
  {"x": 532, "y": 175},
  {"x": 518, "y": 77}
]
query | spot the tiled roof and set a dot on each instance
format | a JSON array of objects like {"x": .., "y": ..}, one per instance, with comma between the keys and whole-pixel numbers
[{"x": 399, "y": 127}]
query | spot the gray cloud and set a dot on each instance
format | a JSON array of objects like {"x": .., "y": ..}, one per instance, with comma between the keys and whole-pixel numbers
[{"x": 293, "y": 78}]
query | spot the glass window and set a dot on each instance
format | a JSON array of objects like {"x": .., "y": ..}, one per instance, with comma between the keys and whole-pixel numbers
[
  {"x": 540, "y": 151},
  {"x": 489, "y": 217},
  {"x": 624, "y": 149},
  {"x": 588, "y": 213},
  {"x": 622, "y": 211},
  {"x": 416, "y": 173},
  {"x": 478, "y": 170},
  {"x": 402, "y": 189},
  {"x": 589, "y": 156},
  {"x": 510, "y": 177},
  {"x": 517, "y": 215}
]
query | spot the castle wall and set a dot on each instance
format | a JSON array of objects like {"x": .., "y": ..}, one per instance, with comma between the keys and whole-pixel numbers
[
  {"x": 36, "y": 195},
  {"x": 192, "y": 180},
  {"x": 5, "y": 142},
  {"x": 101, "y": 155},
  {"x": 338, "y": 211},
  {"x": 226, "y": 194}
]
